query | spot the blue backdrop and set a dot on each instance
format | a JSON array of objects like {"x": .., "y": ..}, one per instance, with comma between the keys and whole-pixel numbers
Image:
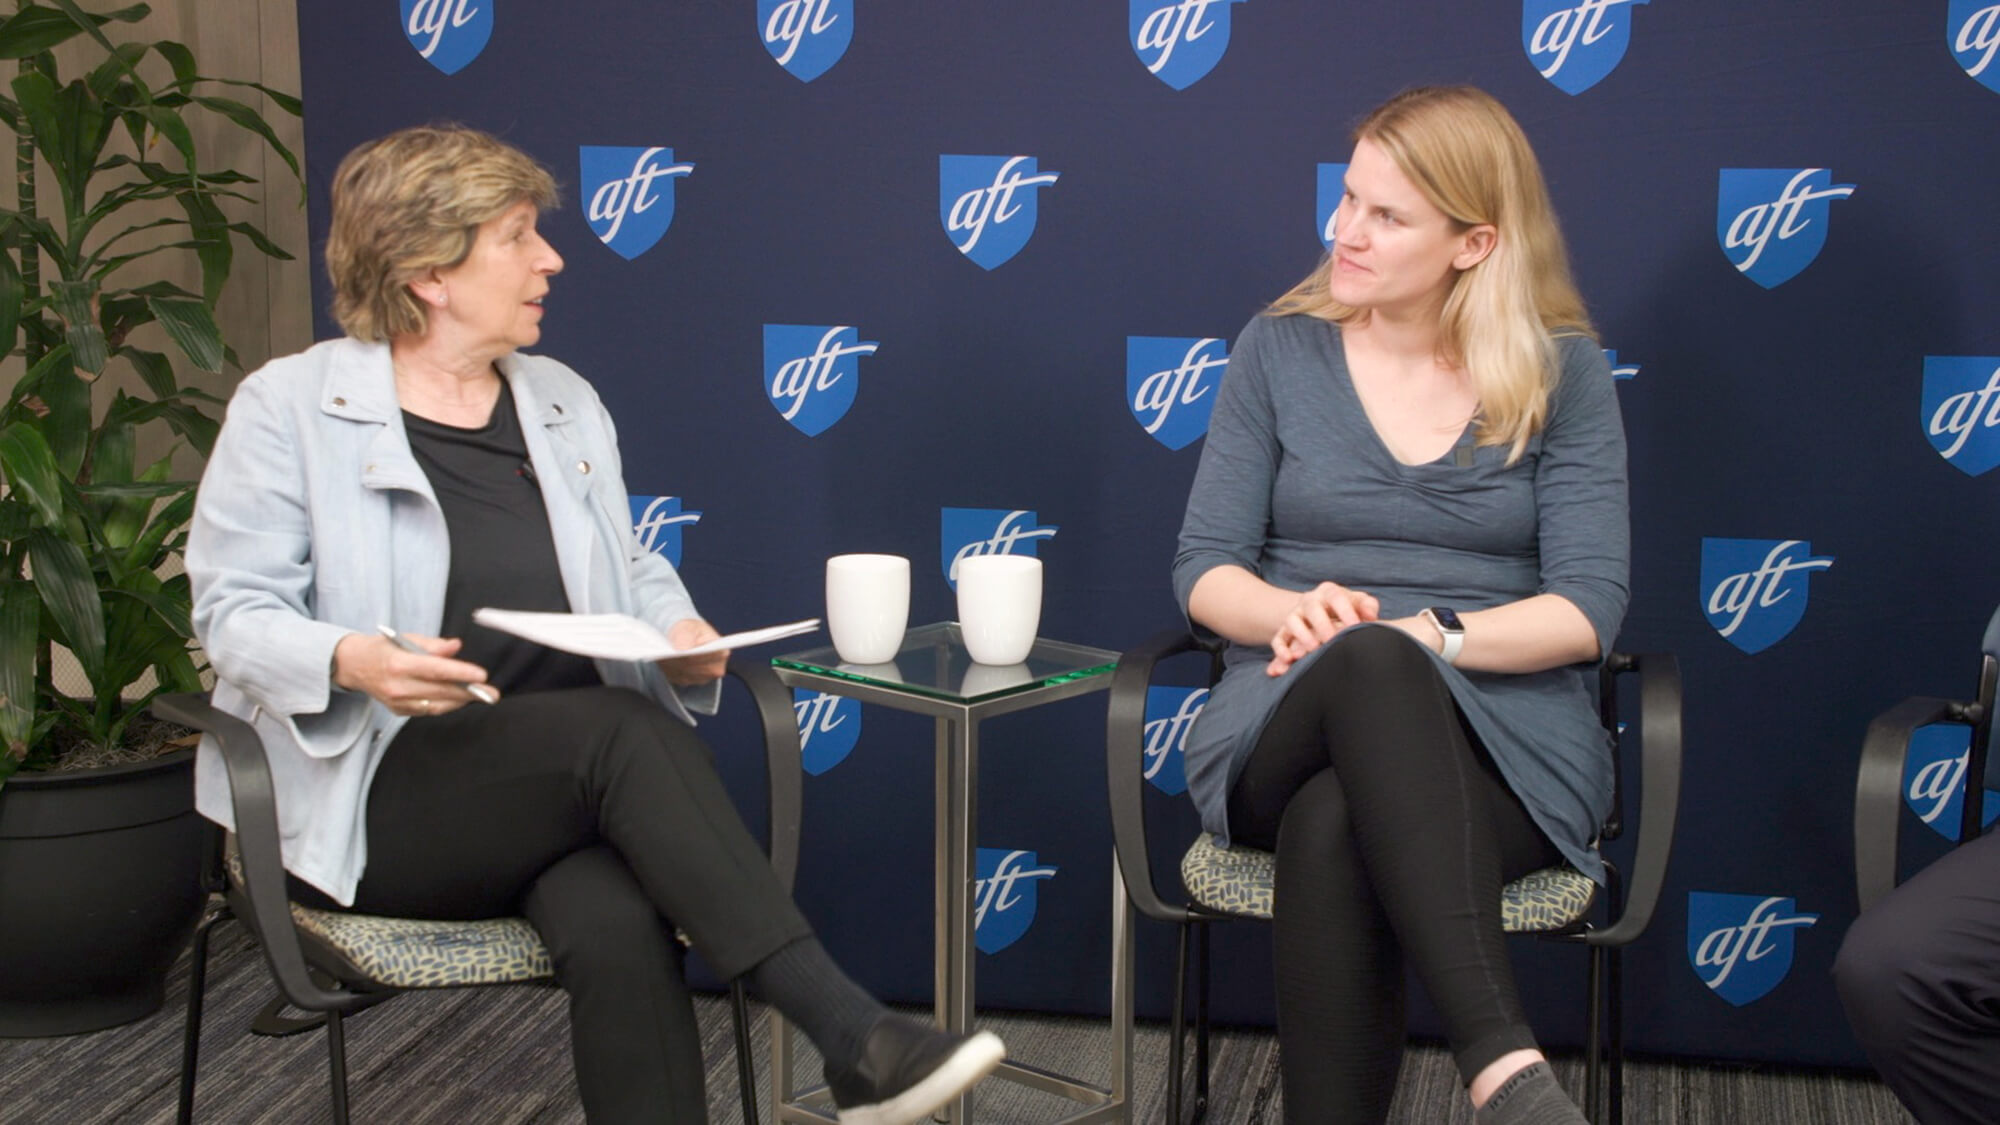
[{"x": 881, "y": 275}]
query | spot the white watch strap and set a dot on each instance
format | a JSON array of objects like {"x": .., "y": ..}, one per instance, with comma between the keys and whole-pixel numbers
[{"x": 1452, "y": 643}]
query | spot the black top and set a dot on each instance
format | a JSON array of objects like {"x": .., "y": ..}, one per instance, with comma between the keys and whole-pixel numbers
[{"x": 502, "y": 553}]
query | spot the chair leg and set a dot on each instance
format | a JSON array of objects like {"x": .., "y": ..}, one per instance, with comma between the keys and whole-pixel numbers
[
  {"x": 1616, "y": 1001},
  {"x": 336, "y": 1049},
  {"x": 1201, "y": 935},
  {"x": 1174, "y": 1045},
  {"x": 746, "y": 1065},
  {"x": 1593, "y": 1063},
  {"x": 191, "y": 1032}
]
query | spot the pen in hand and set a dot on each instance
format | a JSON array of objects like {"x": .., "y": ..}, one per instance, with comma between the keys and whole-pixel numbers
[{"x": 481, "y": 692}]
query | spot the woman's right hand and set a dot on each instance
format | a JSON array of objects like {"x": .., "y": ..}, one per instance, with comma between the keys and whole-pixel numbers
[
  {"x": 1315, "y": 618},
  {"x": 408, "y": 683}
]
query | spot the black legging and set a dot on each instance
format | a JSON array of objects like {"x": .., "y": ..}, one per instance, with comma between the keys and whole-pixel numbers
[
  {"x": 600, "y": 818},
  {"x": 1394, "y": 834}
]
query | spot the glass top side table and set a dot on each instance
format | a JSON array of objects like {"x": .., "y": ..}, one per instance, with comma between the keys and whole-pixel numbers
[{"x": 933, "y": 675}]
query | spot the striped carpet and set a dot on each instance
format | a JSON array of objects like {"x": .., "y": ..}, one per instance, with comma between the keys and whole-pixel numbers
[{"x": 500, "y": 1056}]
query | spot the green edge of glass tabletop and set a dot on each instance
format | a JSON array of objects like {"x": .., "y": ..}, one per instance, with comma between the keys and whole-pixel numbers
[{"x": 933, "y": 662}]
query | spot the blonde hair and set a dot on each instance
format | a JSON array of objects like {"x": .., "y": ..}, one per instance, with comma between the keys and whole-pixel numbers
[
  {"x": 1468, "y": 156},
  {"x": 412, "y": 202}
]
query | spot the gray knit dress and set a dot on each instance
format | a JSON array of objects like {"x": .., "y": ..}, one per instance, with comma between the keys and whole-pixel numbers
[{"x": 1296, "y": 487}]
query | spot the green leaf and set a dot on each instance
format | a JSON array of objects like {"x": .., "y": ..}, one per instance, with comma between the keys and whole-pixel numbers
[
  {"x": 181, "y": 59},
  {"x": 69, "y": 593},
  {"x": 31, "y": 470},
  {"x": 104, "y": 81},
  {"x": 250, "y": 119},
  {"x": 37, "y": 95},
  {"x": 173, "y": 614},
  {"x": 192, "y": 328},
  {"x": 287, "y": 102},
  {"x": 33, "y": 31},
  {"x": 168, "y": 521},
  {"x": 154, "y": 369},
  {"x": 20, "y": 613},
  {"x": 173, "y": 129},
  {"x": 211, "y": 232},
  {"x": 258, "y": 240},
  {"x": 74, "y": 301},
  {"x": 13, "y": 291}
]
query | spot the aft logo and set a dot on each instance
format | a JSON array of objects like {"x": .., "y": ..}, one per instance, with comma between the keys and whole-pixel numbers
[
  {"x": 1332, "y": 189},
  {"x": 1628, "y": 371},
  {"x": 1004, "y": 897},
  {"x": 988, "y": 204},
  {"x": 658, "y": 521},
  {"x": 1180, "y": 41},
  {"x": 1754, "y": 590},
  {"x": 1170, "y": 384},
  {"x": 628, "y": 194},
  {"x": 1772, "y": 221},
  {"x": 1934, "y": 778},
  {"x": 1576, "y": 43},
  {"x": 829, "y": 726},
  {"x": 1741, "y": 945},
  {"x": 812, "y": 371},
  {"x": 806, "y": 36},
  {"x": 1170, "y": 714},
  {"x": 965, "y": 532},
  {"x": 448, "y": 33},
  {"x": 1972, "y": 28},
  {"x": 1961, "y": 410}
]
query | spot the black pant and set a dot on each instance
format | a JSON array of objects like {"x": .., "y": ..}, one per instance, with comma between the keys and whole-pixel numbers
[
  {"x": 1919, "y": 975},
  {"x": 600, "y": 818},
  {"x": 1394, "y": 834}
]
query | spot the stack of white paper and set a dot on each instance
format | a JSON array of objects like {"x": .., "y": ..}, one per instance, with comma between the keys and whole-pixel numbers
[{"x": 615, "y": 636}]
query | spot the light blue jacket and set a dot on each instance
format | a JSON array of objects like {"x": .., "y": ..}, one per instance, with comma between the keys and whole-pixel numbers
[{"x": 314, "y": 521}]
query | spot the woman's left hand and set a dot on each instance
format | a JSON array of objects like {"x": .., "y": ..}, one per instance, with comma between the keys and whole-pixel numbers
[{"x": 693, "y": 671}]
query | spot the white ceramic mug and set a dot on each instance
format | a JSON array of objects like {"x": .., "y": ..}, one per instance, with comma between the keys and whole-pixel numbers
[
  {"x": 999, "y": 606},
  {"x": 867, "y": 606}
]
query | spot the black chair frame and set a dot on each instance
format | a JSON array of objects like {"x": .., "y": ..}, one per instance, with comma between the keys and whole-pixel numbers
[
  {"x": 1878, "y": 789},
  {"x": 313, "y": 978},
  {"x": 1629, "y": 909}
]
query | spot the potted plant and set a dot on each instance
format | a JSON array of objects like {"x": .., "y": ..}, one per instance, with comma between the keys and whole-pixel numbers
[{"x": 91, "y": 857}]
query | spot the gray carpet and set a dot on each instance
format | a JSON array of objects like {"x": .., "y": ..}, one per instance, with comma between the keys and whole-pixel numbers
[{"x": 500, "y": 1056}]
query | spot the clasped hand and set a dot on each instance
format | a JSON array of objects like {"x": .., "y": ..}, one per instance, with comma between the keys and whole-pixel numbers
[{"x": 1319, "y": 614}]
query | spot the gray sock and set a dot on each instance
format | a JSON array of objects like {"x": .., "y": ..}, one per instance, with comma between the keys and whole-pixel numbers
[{"x": 1531, "y": 1097}]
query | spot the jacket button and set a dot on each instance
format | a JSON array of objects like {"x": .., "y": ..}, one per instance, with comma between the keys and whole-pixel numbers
[
  {"x": 558, "y": 407},
  {"x": 583, "y": 467},
  {"x": 340, "y": 402}
]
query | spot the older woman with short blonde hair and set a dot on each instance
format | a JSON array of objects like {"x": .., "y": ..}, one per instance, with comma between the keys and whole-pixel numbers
[{"x": 425, "y": 465}]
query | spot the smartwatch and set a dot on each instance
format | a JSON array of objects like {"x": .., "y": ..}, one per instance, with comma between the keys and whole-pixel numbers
[{"x": 1449, "y": 627}]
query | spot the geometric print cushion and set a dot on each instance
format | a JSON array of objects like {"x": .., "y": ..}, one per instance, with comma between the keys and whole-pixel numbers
[
  {"x": 419, "y": 953},
  {"x": 1238, "y": 880}
]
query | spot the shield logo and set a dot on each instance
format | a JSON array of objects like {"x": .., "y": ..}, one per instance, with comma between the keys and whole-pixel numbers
[
  {"x": 1754, "y": 590},
  {"x": 1332, "y": 189},
  {"x": 988, "y": 204},
  {"x": 658, "y": 522},
  {"x": 1972, "y": 30},
  {"x": 812, "y": 371},
  {"x": 1004, "y": 897},
  {"x": 1961, "y": 410},
  {"x": 829, "y": 726},
  {"x": 1934, "y": 778},
  {"x": 1772, "y": 221},
  {"x": 806, "y": 36},
  {"x": 1575, "y": 43},
  {"x": 1170, "y": 714},
  {"x": 1170, "y": 384},
  {"x": 1180, "y": 41},
  {"x": 964, "y": 532},
  {"x": 1741, "y": 945},
  {"x": 628, "y": 194},
  {"x": 448, "y": 33}
]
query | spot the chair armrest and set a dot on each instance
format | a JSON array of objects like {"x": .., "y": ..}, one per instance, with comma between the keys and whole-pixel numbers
[
  {"x": 1659, "y": 791},
  {"x": 255, "y": 803},
  {"x": 781, "y": 757},
  {"x": 1124, "y": 742},
  {"x": 1878, "y": 789}
]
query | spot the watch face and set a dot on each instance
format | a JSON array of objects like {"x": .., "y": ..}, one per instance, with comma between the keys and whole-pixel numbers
[{"x": 1447, "y": 620}]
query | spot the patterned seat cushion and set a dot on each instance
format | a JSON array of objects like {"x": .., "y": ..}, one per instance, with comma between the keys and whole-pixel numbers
[
  {"x": 416, "y": 953},
  {"x": 1238, "y": 881}
]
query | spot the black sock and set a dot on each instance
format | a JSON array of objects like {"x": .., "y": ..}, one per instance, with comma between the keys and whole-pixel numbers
[
  {"x": 802, "y": 982},
  {"x": 1531, "y": 1097}
]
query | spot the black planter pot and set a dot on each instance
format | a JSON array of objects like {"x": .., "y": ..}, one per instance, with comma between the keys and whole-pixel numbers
[{"x": 99, "y": 889}]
